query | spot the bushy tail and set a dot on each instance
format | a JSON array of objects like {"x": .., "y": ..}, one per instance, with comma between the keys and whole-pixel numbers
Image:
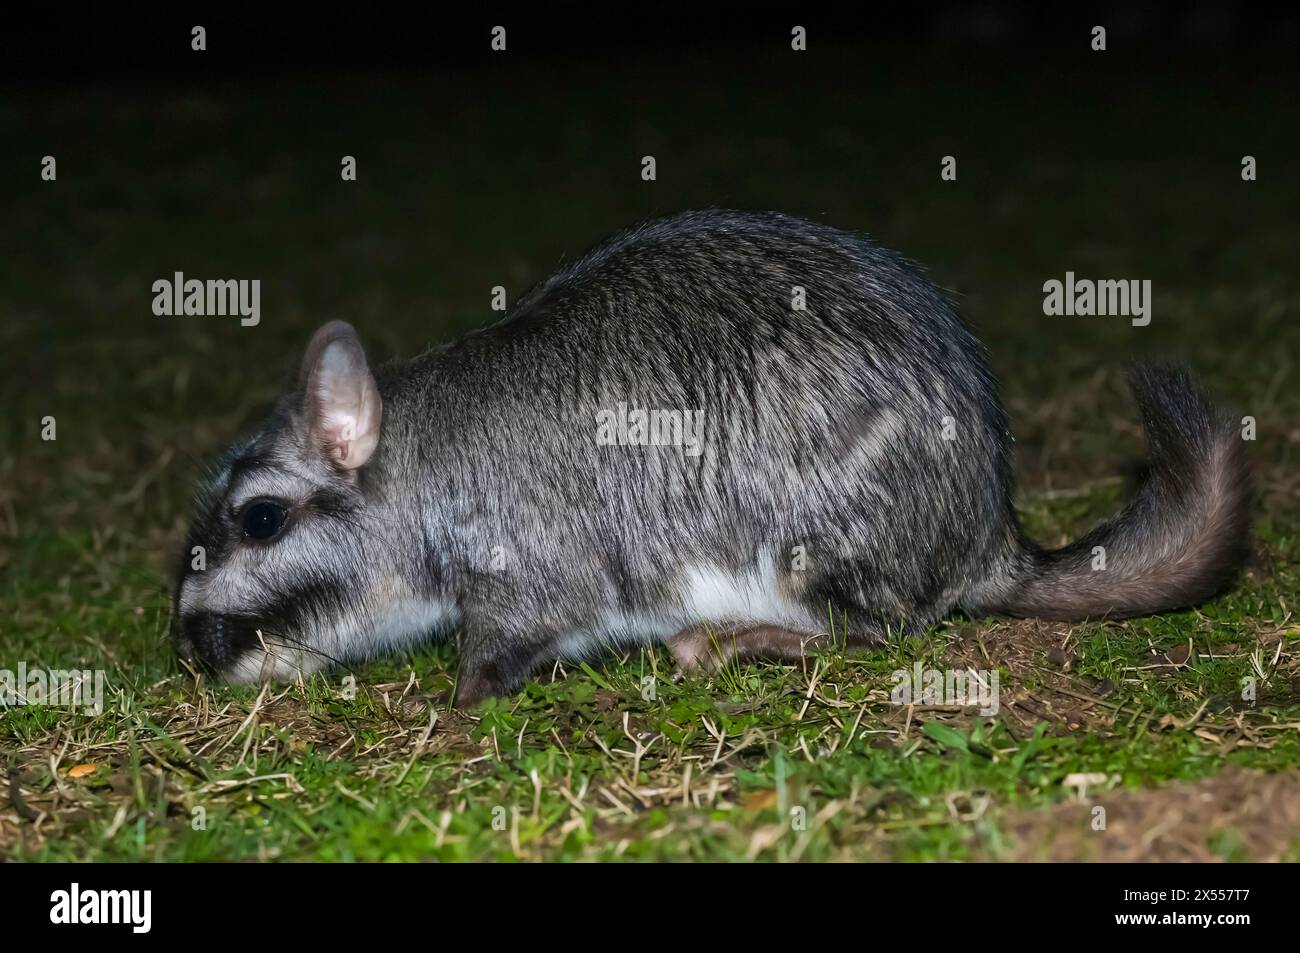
[{"x": 1180, "y": 540}]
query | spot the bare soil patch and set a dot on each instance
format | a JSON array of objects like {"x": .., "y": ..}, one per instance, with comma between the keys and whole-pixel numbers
[{"x": 1244, "y": 815}]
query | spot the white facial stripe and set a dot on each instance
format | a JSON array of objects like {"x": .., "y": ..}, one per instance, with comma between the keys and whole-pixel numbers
[
  {"x": 231, "y": 588},
  {"x": 263, "y": 482},
  {"x": 278, "y": 663}
]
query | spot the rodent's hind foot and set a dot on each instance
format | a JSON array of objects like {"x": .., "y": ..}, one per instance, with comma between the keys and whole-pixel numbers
[{"x": 705, "y": 648}]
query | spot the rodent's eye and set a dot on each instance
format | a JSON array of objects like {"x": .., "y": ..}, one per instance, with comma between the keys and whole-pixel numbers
[{"x": 264, "y": 519}]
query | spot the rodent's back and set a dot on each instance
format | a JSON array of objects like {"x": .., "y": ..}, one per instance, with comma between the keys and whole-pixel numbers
[
  {"x": 823, "y": 422},
  {"x": 704, "y": 301}
]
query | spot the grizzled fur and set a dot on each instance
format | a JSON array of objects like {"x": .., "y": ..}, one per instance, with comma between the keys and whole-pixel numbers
[{"x": 855, "y": 462}]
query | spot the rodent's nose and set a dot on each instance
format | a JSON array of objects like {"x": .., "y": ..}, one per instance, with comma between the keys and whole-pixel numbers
[{"x": 209, "y": 639}]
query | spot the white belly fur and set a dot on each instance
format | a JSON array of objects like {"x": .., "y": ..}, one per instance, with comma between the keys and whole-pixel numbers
[{"x": 708, "y": 595}]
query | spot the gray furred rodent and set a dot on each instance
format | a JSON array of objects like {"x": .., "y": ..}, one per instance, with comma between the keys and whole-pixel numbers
[{"x": 656, "y": 445}]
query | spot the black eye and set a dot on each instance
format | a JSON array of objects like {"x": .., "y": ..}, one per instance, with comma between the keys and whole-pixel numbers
[{"x": 264, "y": 519}]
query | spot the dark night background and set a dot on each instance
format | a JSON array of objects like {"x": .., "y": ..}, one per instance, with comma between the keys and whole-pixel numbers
[{"x": 67, "y": 45}]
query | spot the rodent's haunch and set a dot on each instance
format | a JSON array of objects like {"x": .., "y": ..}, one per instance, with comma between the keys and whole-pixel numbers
[{"x": 716, "y": 430}]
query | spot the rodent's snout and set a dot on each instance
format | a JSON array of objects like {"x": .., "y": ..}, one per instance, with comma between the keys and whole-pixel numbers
[{"x": 212, "y": 641}]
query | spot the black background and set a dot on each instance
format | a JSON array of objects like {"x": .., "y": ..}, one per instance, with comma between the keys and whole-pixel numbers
[
  {"x": 59, "y": 44},
  {"x": 397, "y": 904}
]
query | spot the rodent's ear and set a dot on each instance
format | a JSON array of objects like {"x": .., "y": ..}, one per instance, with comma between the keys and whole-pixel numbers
[{"x": 341, "y": 408}]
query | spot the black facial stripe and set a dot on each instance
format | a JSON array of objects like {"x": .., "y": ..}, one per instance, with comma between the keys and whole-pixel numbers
[
  {"x": 332, "y": 502},
  {"x": 210, "y": 525},
  {"x": 213, "y": 536},
  {"x": 299, "y": 607}
]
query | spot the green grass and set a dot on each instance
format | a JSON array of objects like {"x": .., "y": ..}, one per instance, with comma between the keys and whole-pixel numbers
[{"x": 458, "y": 193}]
